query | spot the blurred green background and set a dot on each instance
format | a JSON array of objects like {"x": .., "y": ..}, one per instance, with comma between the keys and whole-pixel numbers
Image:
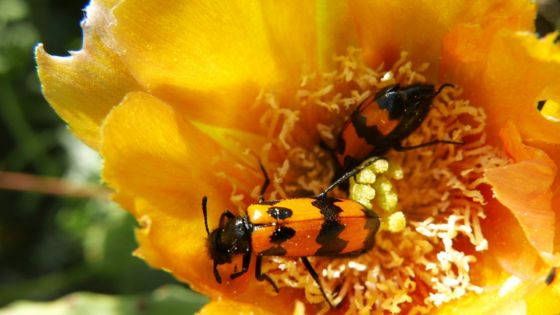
[{"x": 58, "y": 235}]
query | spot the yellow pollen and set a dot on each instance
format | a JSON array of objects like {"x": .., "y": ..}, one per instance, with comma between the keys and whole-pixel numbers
[
  {"x": 362, "y": 192},
  {"x": 388, "y": 201},
  {"x": 366, "y": 176},
  {"x": 396, "y": 222},
  {"x": 373, "y": 185}
]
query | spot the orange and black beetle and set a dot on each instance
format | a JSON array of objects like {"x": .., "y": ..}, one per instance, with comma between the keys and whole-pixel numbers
[
  {"x": 299, "y": 227},
  {"x": 382, "y": 121}
]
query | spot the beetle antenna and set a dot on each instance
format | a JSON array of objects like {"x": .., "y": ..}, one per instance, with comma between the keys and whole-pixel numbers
[
  {"x": 217, "y": 273},
  {"x": 205, "y": 214}
]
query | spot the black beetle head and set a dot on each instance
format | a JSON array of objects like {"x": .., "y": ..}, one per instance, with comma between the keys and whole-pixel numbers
[{"x": 232, "y": 237}]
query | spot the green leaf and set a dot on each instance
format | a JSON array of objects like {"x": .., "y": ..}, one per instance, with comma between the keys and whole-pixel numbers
[{"x": 168, "y": 300}]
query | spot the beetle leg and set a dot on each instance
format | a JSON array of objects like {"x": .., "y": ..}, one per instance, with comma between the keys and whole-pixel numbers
[
  {"x": 261, "y": 276},
  {"x": 244, "y": 267},
  {"x": 217, "y": 273},
  {"x": 347, "y": 175},
  {"x": 315, "y": 277},
  {"x": 265, "y": 183},
  {"x": 399, "y": 147}
]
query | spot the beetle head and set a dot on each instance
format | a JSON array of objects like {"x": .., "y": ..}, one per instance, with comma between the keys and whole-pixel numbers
[{"x": 230, "y": 238}]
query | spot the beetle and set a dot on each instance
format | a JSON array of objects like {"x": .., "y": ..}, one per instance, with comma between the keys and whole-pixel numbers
[
  {"x": 382, "y": 121},
  {"x": 551, "y": 276},
  {"x": 298, "y": 227}
]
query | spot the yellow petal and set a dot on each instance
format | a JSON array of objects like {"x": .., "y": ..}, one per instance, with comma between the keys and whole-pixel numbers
[
  {"x": 228, "y": 307},
  {"x": 215, "y": 44},
  {"x": 151, "y": 152},
  {"x": 158, "y": 164},
  {"x": 212, "y": 59},
  {"x": 306, "y": 35},
  {"x": 235, "y": 142},
  {"x": 259, "y": 303},
  {"x": 549, "y": 109},
  {"x": 544, "y": 299},
  {"x": 84, "y": 86},
  {"x": 194, "y": 45}
]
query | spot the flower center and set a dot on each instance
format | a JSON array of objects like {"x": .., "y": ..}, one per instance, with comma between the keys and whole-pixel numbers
[{"x": 423, "y": 255}]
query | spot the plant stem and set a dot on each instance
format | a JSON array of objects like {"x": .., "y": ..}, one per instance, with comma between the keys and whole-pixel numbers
[{"x": 50, "y": 185}]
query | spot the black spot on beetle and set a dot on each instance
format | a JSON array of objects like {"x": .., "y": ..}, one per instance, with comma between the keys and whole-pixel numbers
[
  {"x": 331, "y": 244},
  {"x": 371, "y": 225},
  {"x": 280, "y": 213},
  {"x": 282, "y": 234},
  {"x": 328, "y": 238},
  {"x": 328, "y": 209},
  {"x": 370, "y": 134},
  {"x": 341, "y": 146}
]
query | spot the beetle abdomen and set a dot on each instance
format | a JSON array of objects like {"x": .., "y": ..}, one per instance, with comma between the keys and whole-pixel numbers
[{"x": 314, "y": 227}]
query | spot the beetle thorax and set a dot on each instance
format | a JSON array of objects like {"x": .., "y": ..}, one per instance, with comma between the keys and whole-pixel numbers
[{"x": 231, "y": 238}]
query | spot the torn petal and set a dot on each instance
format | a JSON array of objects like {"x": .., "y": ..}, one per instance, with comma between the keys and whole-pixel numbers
[{"x": 83, "y": 87}]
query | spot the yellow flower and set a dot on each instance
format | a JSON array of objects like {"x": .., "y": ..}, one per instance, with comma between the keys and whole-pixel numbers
[{"x": 183, "y": 99}]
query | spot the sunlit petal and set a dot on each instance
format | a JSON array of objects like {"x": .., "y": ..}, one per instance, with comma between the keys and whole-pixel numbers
[{"x": 84, "y": 86}]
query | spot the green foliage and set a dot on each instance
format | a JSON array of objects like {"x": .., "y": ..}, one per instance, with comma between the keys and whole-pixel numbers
[
  {"x": 16, "y": 32},
  {"x": 168, "y": 300},
  {"x": 50, "y": 245}
]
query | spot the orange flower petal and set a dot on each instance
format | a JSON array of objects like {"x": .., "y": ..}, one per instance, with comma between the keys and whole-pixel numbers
[
  {"x": 514, "y": 296},
  {"x": 386, "y": 27},
  {"x": 84, "y": 86},
  {"x": 556, "y": 208},
  {"x": 525, "y": 188},
  {"x": 152, "y": 154},
  {"x": 507, "y": 73},
  {"x": 508, "y": 244}
]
